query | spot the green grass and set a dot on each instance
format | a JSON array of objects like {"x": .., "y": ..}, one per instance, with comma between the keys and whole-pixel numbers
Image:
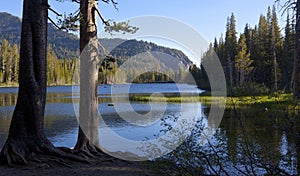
[
  {"x": 268, "y": 102},
  {"x": 175, "y": 99}
]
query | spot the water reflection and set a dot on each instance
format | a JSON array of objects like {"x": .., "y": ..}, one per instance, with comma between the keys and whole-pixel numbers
[{"x": 259, "y": 129}]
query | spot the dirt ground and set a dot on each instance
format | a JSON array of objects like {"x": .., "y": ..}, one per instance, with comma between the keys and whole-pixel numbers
[{"x": 96, "y": 167}]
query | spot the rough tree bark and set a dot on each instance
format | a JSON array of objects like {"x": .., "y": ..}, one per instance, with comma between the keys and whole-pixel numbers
[
  {"x": 26, "y": 136},
  {"x": 296, "y": 71},
  {"x": 88, "y": 139}
]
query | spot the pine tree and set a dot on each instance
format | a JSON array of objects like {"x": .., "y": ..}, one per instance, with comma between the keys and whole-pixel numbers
[
  {"x": 230, "y": 47},
  {"x": 296, "y": 69},
  {"x": 5, "y": 61},
  {"x": 51, "y": 66},
  {"x": 220, "y": 51},
  {"x": 286, "y": 63},
  {"x": 275, "y": 48},
  {"x": 248, "y": 35},
  {"x": 16, "y": 57},
  {"x": 261, "y": 52},
  {"x": 243, "y": 61},
  {"x": 216, "y": 45}
]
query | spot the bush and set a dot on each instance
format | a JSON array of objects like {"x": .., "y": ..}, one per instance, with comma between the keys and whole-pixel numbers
[{"x": 251, "y": 89}]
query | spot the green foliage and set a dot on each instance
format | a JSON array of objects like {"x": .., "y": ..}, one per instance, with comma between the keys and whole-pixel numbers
[
  {"x": 262, "y": 56},
  {"x": 243, "y": 61},
  {"x": 59, "y": 72},
  {"x": 123, "y": 27},
  {"x": 9, "y": 59},
  {"x": 272, "y": 102},
  {"x": 65, "y": 45},
  {"x": 251, "y": 89},
  {"x": 286, "y": 64},
  {"x": 239, "y": 142}
]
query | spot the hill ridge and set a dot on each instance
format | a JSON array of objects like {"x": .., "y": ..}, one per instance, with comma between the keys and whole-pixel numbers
[{"x": 66, "y": 45}]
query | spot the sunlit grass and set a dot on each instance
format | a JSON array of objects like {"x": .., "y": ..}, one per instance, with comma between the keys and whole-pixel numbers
[
  {"x": 268, "y": 102},
  {"x": 176, "y": 99}
]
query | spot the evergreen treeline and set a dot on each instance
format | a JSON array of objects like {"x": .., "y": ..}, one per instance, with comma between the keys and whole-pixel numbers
[
  {"x": 260, "y": 60},
  {"x": 59, "y": 71},
  {"x": 9, "y": 61},
  {"x": 141, "y": 68}
]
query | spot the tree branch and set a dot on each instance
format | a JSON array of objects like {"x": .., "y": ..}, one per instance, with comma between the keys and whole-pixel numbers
[
  {"x": 77, "y": 1},
  {"x": 102, "y": 19},
  {"x": 288, "y": 5},
  {"x": 113, "y": 2},
  {"x": 54, "y": 23},
  {"x": 58, "y": 14}
]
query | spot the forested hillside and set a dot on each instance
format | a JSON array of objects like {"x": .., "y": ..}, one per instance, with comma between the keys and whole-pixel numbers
[
  {"x": 258, "y": 60},
  {"x": 65, "y": 45},
  {"x": 63, "y": 52}
]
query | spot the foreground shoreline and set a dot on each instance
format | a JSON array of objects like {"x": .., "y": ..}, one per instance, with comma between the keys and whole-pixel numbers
[{"x": 98, "y": 166}]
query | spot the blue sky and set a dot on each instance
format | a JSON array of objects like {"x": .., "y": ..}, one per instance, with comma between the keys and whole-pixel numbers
[{"x": 207, "y": 17}]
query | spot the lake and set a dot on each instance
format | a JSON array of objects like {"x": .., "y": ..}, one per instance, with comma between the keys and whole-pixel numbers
[
  {"x": 60, "y": 120},
  {"x": 241, "y": 134}
]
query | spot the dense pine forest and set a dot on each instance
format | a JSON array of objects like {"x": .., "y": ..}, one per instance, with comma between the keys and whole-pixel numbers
[
  {"x": 59, "y": 71},
  {"x": 259, "y": 60}
]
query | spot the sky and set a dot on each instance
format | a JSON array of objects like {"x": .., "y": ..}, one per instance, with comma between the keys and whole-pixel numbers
[{"x": 208, "y": 17}]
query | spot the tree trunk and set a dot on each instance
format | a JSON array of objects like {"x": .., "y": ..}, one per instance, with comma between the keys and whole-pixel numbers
[
  {"x": 230, "y": 65},
  {"x": 275, "y": 70},
  {"x": 88, "y": 139},
  {"x": 296, "y": 71},
  {"x": 26, "y": 134}
]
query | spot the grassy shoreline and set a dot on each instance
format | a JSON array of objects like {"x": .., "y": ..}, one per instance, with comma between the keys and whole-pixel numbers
[{"x": 278, "y": 101}]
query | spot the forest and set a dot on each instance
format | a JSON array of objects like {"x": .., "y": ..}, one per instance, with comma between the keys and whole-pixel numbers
[
  {"x": 59, "y": 71},
  {"x": 259, "y": 60}
]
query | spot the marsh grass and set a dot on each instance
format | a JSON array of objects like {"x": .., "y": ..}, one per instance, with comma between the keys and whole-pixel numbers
[{"x": 284, "y": 102}]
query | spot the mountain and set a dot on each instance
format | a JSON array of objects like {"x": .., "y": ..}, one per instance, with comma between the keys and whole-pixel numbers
[
  {"x": 131, "y": 48},
  {"x": 66, "y": 45}
]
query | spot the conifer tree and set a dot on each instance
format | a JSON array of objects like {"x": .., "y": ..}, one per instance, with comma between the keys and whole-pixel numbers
[
  {"x": 243, "y": 61},
  {"x": 296, "y": 70},
  {"x": 286, "y": 63},
  {"x": 230, "y": 47},
  {"x": 15, "y": 67},
  {"x": 275, "y": 48},
  {"x": 248, "y": 36},
  {"x": 5, "y": 61},
  {"x": 261, "y": 59}
]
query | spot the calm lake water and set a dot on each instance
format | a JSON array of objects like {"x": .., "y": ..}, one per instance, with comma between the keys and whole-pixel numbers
[
  {"x": 60, "y": 120},
  {"x": 259, "y": 127}
]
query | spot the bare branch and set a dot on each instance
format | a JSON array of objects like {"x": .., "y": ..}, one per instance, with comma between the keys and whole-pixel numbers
[
  {"x": 102, "y": 19},
  {"x": 56, "y": 13},
  {"x": 113, "y": 2},
  {"x": 287, "y": 6},
  {"x": 77, "y": 1},
  {"x": 54, "y": 23}
]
